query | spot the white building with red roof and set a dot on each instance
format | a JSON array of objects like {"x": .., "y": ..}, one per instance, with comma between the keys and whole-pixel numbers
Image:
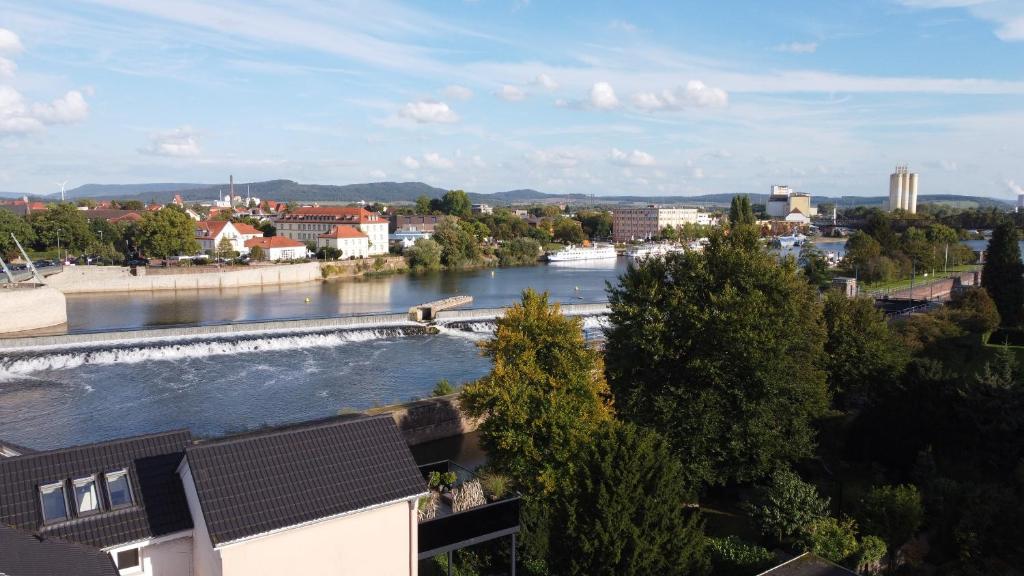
[
  {"x": 278, "y": 248},
  {"x": 346, "y": 239},
  {"x": 309, "y": 222},
  {"x": 209, "y": 233}
]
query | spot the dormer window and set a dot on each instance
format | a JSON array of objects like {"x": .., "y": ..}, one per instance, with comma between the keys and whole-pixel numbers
[
  {"x": 119, "y": 492},
  {"x": 54, "y": 504},
  {"x": 87, "y": 498}
]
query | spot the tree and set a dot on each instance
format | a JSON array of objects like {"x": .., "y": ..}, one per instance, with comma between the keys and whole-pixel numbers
[
  {"x": 568, "y": 230},
  {"x": 65, "y": 222},
  {"x": 12, "y": 223},
  {"x": 168, "y": 232},
  {"x": 815, "y": 266},
  {"x": 833, "y": 539},
  {"x": 860, "y": 349},
  {"x": 257, "y": 254},
  {"x": 731, "y": 556},
  {"x": 596, "y": 223},
  {"x": 620, "y": 510},
  {"x": 225, "y": 249},
  {"x": 425, "y": 254},
  {"x": 519, "y": 252},
  {"x": 974, "y": 310},
  {"x": 423, "y": 204},
  {"x": 862, "y": 256},
  {"x": 786, "y": 505},
  {"x": 721, "y": 351},
  {"x": 894, "y": 513},
  {"x": 544, "y": 397},
  {"x": 456, "y": 203},
  {"x": 669, "y": 233},
  {"x": 741, "y": 213},
  {"x": 458, "y": 245},
  {"x": 1002, "y": 275}
]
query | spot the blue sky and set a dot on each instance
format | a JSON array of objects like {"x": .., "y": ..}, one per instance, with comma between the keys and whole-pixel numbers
[{"x": 675, "y": 97}]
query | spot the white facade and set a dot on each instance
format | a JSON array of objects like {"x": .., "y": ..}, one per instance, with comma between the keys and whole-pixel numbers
[
  {"x": 351, "y": 243},
  {"x": 706, "y": 219},
  {"x": 903, "y": 190},
  {"x": 169, "y": 555},
  {"x": 380, "y": 540},
  {"x": 377, "y": 233},
  {"x": 209, "y": 233},
  {"x": 644, "y": 223}
]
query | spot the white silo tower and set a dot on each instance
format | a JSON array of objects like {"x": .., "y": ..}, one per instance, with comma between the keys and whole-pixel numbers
[{"x": 912, "y": 189}]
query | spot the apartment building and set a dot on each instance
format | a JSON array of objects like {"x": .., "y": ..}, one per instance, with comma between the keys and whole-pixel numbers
[{"x": 629, "y": 224}]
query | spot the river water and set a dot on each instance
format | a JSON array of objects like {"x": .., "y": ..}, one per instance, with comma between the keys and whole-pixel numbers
[{"x": 58, "y": 398}]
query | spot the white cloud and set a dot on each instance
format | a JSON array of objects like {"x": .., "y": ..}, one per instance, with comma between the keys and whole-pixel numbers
[
  {"x": 511, "y": 93},
  {"x": 546, "y": 82},
  {"x": 695, "y": 94},
  {"x": 456, "y": 92},
  {"x": 634, "y": 158},
  {"x": 70, "y": 109},
  {"x": 1014, "y": 187},
  {"x": 7, "y": 68},
  {"x": 9, "y": 42},
  {"x": 435, "y": 160},
  {"x": 410, "y": 163},
  {"x": 378, "y": 174},
  {"x": 697, "y": 173},
  {"x": 426, "y": 112},
  {"x": 479, "y": 162},
  {"x": 178, "y": 143},
  {"x": 556, "y": 158},
  {"x": 603, "y": 97},
  {"x": 1008, "y": 15},
  {"x": 798, "y": 47},
  {"x": 14, "y": 116},
  {"x": 622, "y": 25}
]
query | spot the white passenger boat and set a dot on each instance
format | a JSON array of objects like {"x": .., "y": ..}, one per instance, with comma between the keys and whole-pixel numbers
[
  {"x": 575, "y": 253},
  {"x": 652, "y": 249},
  {"x": 791, "y": 240}
]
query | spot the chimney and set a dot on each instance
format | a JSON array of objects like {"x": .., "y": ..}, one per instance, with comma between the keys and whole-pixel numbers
[{"x": 231, "y": 185}]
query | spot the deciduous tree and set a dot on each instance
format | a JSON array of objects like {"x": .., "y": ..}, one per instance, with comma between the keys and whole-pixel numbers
[
  {"x": 721, "y": 351},
  {"x": 12, "y": 223},
  {"x": 66, "y": 222},
  {"x": 894, "y": 513},
  {"x": 167, "y": 232}
]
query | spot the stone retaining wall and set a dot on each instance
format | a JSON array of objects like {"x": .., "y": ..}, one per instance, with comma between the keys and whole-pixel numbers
[
  {"x": 431, "y": 419},
  {"x": 491, "y": 313},
  {"x": 28, "y": 308},
  {"x": 79, "y": 279}
]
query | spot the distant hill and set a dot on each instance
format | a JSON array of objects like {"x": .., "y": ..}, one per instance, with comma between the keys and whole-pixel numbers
[
  {"x": 390, "y": 192},
  {"x": 120, "y": 190}
]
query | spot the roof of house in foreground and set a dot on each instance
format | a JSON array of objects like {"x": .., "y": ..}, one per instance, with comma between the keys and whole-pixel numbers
[
  {"x": 807, "y": 564},
  {"x": 158, "y": 508},
  {"x": 266, "y": 481},
  {"x": 26, "y": 554}
]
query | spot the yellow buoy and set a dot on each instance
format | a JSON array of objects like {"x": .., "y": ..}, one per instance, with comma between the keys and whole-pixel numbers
[
  {"x": 307, "y": 299},
  {"x": 492, "y": 273}
]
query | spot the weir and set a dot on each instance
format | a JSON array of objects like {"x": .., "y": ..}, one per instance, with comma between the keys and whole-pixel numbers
[{"x": 268, "y": 327}]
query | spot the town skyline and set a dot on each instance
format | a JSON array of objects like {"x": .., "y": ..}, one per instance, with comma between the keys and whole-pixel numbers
[{"x": 491, "y": 96}]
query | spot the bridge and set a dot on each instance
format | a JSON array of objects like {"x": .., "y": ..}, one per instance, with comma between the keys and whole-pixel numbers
[{"x": 26, "y": 274}]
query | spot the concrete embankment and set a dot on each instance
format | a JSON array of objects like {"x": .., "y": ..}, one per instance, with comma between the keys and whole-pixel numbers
[
  {"x": 491, "y": 313},
  {"x": 25, "y": 307},
  {"x": 430, "y": 419},
  {"x": 200, "y": 332},
  {"x": 84, "y": 279},
  {"x": 342, "y": 269}
]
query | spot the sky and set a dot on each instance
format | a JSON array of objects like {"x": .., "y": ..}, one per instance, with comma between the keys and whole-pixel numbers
[{"x": 675, "y": 97}]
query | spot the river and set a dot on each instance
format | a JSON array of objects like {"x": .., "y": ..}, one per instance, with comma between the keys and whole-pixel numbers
[{"x": 59, "y": 398}]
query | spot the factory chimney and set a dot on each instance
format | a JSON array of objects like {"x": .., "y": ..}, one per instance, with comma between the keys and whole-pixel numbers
[{"x": 231, "y": 186}]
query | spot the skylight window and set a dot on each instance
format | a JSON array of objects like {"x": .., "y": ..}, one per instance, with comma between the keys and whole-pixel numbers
[
  {"x": 118, "y": 489},
  {"x": 87, "y": 498},
  {"x": 55, "y": 506}
]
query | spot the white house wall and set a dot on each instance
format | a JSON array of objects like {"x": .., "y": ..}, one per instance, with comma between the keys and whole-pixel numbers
[{"x": 205, "y": 560}]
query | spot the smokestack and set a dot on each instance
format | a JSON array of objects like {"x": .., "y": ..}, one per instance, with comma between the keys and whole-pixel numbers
[{"x": 231, "y": 185}]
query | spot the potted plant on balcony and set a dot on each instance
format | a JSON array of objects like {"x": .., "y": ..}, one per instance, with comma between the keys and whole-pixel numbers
[
  {"x": 442, "y": 482},
  {"x": 495, "y": 485}
]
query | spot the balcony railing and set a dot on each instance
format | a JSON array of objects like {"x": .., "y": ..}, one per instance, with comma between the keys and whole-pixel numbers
[{"x": 451, "y": 530}]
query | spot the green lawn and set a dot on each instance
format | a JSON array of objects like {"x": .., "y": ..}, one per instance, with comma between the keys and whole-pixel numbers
[{"x": 919, "y": 280}]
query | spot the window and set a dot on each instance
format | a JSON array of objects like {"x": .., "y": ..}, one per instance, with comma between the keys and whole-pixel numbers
[
  {"x": 86, "y": 497},
  {"x": 128, "y": 559},
  {"x": 118, "y": 490},
  {"x": 55, "y": 507}
]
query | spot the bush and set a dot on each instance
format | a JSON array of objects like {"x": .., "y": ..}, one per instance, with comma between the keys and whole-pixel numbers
[
  {"x": 443, "y": 388},
  {"x": 518, "y": 252},
  {"x": 786, "y": 505},
  {"x": 833, "y": 539},
  {"x": 424, "y": 255},
  {"x": 732, "y": 556},
  {"x": 495, "y": 485},
  {"x": 869, "y": 558},
  {"x": 328, "y": 253},
  {"x": 974, "y": 310}
]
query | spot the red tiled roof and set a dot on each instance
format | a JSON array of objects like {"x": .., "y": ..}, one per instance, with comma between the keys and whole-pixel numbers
[
  {"x": 246, "y": 229},
  {"x": 212, "y": 228},
  {"x": 273, "y": 242},
  {"x": 343, "y": 232}
]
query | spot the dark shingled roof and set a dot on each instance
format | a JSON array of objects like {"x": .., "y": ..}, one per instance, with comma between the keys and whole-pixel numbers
[
  {"x": 23, "y": 554},
  {"x": 264, "y": 481},
  {"x": 159, "y": 500},
  {"x": 808, "y": 564}
]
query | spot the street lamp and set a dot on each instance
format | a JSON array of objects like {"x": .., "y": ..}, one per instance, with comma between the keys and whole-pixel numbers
[{"x": 58, "y": 243}]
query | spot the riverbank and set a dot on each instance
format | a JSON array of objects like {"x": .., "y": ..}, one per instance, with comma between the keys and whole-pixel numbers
[{"x": 26, "y": 307}]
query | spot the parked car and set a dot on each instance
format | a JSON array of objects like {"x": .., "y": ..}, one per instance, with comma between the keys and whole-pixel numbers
[{"x": 137, "y": 262}]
